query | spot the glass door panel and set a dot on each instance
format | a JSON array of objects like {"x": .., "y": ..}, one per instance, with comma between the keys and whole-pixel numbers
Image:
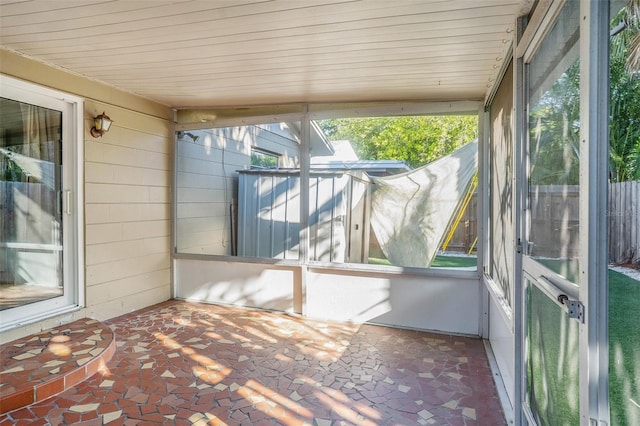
[
  {"x": 30, "y": 204},
  {"x": 552, "y": 362},
  {"x": 554, "y": 150}
]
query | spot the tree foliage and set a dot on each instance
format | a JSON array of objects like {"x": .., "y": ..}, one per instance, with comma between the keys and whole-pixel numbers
[
  {"x": 629, "y": 16},
  {"x": 554, "y": 122},
  {"x": 417, "y": 140},
  {"x": 555, "y": 119},
  {"x": 624, "y": 125},
  {"x": 554, "y": 127}
]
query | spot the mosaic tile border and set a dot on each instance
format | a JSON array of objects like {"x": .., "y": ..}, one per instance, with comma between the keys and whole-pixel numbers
[{"x": 40, "y": 366}]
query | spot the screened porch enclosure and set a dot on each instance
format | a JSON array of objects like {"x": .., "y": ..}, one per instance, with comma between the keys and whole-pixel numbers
[
  {"x": 303, "y": 223},
  {"x": 239, "y": 192},
  {"x": 217, "y": 182}
]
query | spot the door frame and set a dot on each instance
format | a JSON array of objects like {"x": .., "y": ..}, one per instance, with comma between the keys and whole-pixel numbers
[
  {"x": 72, "y": 108},
  {"x": 592, "y": 277}
]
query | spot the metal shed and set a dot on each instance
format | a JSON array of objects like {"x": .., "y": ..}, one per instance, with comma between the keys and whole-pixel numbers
[{"x": 269, "y": 215}]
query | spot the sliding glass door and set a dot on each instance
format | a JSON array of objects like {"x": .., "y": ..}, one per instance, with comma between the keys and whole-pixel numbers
[{"x": 38, "y": 203}]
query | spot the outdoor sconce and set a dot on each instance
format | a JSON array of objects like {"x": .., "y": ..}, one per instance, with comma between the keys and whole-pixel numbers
[{"x": 101, "y": 124}]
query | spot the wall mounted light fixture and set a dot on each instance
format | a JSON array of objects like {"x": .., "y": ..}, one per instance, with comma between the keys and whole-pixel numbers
[{"x": 101, "y": 124}]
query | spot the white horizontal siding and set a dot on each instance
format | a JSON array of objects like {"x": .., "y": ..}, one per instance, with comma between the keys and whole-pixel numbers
[
  {"x": 195, "y": 195},
  {"x": 200, "y": 210},
  {"x": 127, "y": 211},
  {"x": 123, "y": 213},
  {"x": 110, "y": 293},
  {"x": 110, "y": 154},
  {"x": 123, "y": 268},
  {"x": 200, "y": 181},
  {"x": 133, "y": 301},
  {"x": 203, "y": 198},
  {"x": 121, "y": 250}
]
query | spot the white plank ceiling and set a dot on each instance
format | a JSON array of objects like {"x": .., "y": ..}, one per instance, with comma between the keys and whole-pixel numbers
[{"x": 199, "y": 53}]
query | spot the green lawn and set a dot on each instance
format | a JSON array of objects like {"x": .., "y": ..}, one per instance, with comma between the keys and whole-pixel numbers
[
  {"x": 454, "y": 262},
  {"x": 553, "y": 346},
  {"x": 624, "y": 349},
  {"x": 552, "y": 377},
  {"x": 439, "y": 262}
]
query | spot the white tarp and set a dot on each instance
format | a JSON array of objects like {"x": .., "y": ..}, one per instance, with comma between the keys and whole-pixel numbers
[{"x": 410, "y": 212}]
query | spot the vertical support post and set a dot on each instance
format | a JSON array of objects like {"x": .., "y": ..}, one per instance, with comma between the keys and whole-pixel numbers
[
  {"x": 519, "y": 181},
  {"x": 482, "y": 215},
  {"x": 305, "y": 150},
  {"x": 78, "y": 223},
  {"x": 594, "y": 154},
  {"x": 174, "y": 201}
]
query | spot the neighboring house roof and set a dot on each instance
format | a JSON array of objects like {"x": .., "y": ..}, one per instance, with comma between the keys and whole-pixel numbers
[
  {"x": 372, "y": 167},
  {"x": 345, "y": 158},
  {"x": 319, "y": 144},
  {"x": 342, "y": 150}
]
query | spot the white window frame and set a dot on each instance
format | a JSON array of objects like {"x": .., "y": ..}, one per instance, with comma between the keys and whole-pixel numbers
[
  {"x": 308, "y": 114},
  {"x": 266, "y": 153}
]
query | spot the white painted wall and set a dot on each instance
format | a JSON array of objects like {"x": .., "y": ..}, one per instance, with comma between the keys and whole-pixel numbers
[
  {"x": 241, "y": 284},
  {"x": 423, "y": 302},
  {"x": 433, "y": 303},
  {"x": 502, "y": 342}
]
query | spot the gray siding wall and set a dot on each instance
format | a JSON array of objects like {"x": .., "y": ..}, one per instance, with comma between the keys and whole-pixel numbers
[{"x": 207, "y": 162}]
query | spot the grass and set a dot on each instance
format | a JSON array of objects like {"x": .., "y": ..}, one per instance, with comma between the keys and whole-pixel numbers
[
  {"x": 552, "y": 376},
  {"x": 455, "y": 261},
  {"x": 554, "y": 349},
  {"x": 624, "y": 349},
  {"x": 439, "y": 262}
]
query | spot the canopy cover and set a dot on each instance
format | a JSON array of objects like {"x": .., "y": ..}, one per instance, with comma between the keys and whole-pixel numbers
[{"x": 410, "y": 212}]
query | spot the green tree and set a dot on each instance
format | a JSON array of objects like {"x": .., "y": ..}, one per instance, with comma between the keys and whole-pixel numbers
[
  {"x": 554, "y": 119},
  {"x": 554, "y": 128},
  {"x": 417, "y": 140},
  {"x": 624, "y": 125},
  {"x": 629, "y": 17}
]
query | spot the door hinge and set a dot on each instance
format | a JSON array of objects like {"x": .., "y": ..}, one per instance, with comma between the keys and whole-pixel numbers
[{"x": 575, "y": 308}]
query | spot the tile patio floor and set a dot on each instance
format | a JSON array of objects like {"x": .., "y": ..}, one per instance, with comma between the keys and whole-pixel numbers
[{"x": 186, "y": 363}]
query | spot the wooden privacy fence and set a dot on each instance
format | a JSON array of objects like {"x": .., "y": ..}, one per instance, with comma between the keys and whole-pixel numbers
[
  {"x": 624, "y": 222},
  {"x": 30, "y": 234},
  {"x": 556, "y": 207}
]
